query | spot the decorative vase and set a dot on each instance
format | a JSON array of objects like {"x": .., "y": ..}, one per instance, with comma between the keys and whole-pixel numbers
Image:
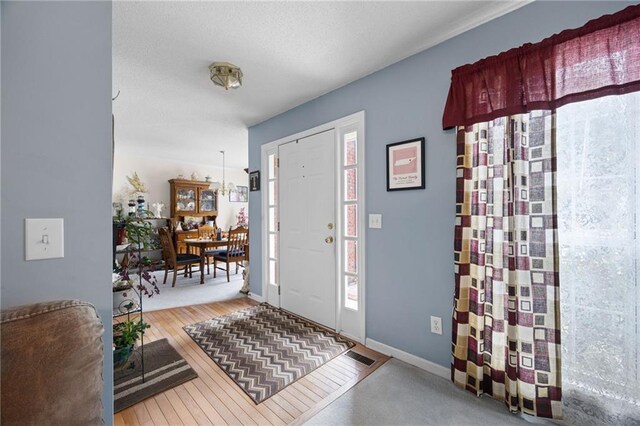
[
  {"x": 141, "y": 207},
  {"x": 122, "y": 236},
  {"x": 123, "y": 297}
]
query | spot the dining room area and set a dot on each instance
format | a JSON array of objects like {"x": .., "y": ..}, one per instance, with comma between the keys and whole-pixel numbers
[
  {"x": 213, "y": 266},
  {"x": 211, "y": 269},
  {"x": 196, "y": 251},
  {"x": 196, "y": 231}
]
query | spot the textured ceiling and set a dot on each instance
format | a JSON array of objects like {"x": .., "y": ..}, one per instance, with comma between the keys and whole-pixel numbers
[{"x": 290, "y": 52}]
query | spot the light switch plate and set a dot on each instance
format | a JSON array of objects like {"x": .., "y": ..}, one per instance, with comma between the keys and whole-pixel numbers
[
  {"x": 375, "y": 221},
  {"x": 43, "y": 238}
]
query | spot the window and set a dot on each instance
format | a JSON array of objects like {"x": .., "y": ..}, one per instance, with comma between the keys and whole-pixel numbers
[
  {"x": 272, "y": 220},
  {"x": 598, "y": 181},
  {"x": 350, "y": 253}
]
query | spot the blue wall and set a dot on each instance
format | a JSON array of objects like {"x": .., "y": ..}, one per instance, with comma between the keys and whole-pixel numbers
[
  {"x": 410, "y": 260},
  {"x": 56, "y": 154}
]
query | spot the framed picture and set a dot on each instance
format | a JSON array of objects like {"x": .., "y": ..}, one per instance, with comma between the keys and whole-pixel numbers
[
  {"x": 239, "y": 195},
  {"x": 405, "y": 165},
  {"x": 254, "y": 180}
]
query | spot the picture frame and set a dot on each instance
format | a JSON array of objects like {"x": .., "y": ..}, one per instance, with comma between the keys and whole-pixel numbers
[
  {"x": 239, "y": 195},
  {"x": 254, "y": 180},
  {"x": 405, "y": 165}
]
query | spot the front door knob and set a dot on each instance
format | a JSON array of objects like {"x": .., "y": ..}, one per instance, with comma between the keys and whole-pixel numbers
[{"x": 328, "y": 240}]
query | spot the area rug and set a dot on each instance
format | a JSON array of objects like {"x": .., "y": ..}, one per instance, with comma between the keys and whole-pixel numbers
[
  {"x": 264, "y": 349},
  {"x": 164, "y": 368},
  {"x": 189, "y": 291}
]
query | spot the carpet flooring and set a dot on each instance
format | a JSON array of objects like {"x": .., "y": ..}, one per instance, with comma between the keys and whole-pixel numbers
[
  {"x": 164, "y": 368},
  {"x": 189, "y": 291},
  {"x": 401, "y": 394},
  {"x": 264, "y": 349}
]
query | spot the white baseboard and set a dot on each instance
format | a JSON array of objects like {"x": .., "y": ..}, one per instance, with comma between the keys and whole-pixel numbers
[
  {"x": 257, "y": 298},
  {"x": 351, "y": 337},
  {"x": 416, "y": 361}
]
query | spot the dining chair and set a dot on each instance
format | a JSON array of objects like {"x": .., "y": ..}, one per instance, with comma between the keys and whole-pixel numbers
[
  {"x": 209, "y": 232},
  {"x": 175, "y": 261},
  {"x": 206, "y": 231},
  {"x": 237, "y": 240}
]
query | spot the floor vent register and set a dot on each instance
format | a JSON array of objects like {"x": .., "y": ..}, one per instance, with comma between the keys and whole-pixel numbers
[{"x": 360, "y": 358}]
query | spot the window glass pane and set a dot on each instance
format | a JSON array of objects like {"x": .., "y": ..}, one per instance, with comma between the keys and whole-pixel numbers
[
  {"x": 272, "y": 219},
  {"x": 273, "y": 245},
  {"x": 350, "y": 220},
  {"x": 207, "y": 200},
  {"x": 598, "y": 179},
  {"x": 350, "y": 153},
  {"x": 351, "y": 256},
  {"x": 351, "y": 292},
  {"x": 350, "y": 185},
  {"x": 272, "y": 193},
  {"x": 272, "y": 167},
  {"x": 273, "y": 264},
  {"x": 186, "y": 200}
]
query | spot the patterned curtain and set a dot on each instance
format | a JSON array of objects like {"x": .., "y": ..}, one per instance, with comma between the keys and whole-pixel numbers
[{"x": 506, "y": 320}]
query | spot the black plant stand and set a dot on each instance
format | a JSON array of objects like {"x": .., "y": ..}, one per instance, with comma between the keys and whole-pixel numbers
[
  {"x": 138, "y": 288},
  {"x": 118, "y": 313}
]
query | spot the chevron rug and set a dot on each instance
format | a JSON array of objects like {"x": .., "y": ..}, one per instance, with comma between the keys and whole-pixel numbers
[{"x": 264, "y": 349}]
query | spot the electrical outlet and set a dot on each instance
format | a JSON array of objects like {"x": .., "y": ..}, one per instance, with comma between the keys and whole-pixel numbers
[
  {"x": 375, "y": 221},
  {"x": 436, "y": 325}
]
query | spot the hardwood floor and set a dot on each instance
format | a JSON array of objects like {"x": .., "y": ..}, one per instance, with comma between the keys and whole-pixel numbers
[{"x": 214, "y": 399}]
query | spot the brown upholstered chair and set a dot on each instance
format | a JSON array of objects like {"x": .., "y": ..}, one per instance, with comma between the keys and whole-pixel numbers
[
  {"x": 175, "y": 261},
  {"x": 235, "y": 252},
  {"x": 52, "y": 357}
]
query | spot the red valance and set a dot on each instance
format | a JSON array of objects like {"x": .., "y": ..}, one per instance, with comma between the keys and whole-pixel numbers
[{"x": 599, "y": 59}]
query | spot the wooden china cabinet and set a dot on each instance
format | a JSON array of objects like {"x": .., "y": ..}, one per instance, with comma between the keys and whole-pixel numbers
[{"x": 191, "y": 198}]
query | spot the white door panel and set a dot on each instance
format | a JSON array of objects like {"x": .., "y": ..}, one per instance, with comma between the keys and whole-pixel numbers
[{"x": 307, "y": 206}]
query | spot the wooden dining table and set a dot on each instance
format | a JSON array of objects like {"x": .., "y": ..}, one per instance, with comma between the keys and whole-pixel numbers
[{"x": 203, "y": 245}]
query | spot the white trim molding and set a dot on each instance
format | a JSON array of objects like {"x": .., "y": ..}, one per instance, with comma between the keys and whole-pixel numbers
[
  {"x": 266, "y": 151},
  {"x": 416, "y": 361},
  {"x": 256, "y": 297}
]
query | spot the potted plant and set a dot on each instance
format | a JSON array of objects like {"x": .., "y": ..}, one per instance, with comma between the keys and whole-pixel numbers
[
  {"x": 125, "y": 335},
  {"x": 138, "y": 232},
  {"x": 128, "y": 291}
]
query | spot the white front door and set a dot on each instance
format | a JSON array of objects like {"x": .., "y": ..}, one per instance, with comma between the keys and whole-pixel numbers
[{"x": 307, "y": 227}]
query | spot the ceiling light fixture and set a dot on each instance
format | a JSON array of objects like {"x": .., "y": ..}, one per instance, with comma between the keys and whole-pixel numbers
[
  {"x": 223, "y": 187},
  {"x": 226, "y": 75}
]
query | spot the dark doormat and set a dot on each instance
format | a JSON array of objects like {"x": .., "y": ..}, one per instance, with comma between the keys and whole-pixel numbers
[
  {"x": 164, "y": 368},
  {"x": 264, "y": 349}
]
